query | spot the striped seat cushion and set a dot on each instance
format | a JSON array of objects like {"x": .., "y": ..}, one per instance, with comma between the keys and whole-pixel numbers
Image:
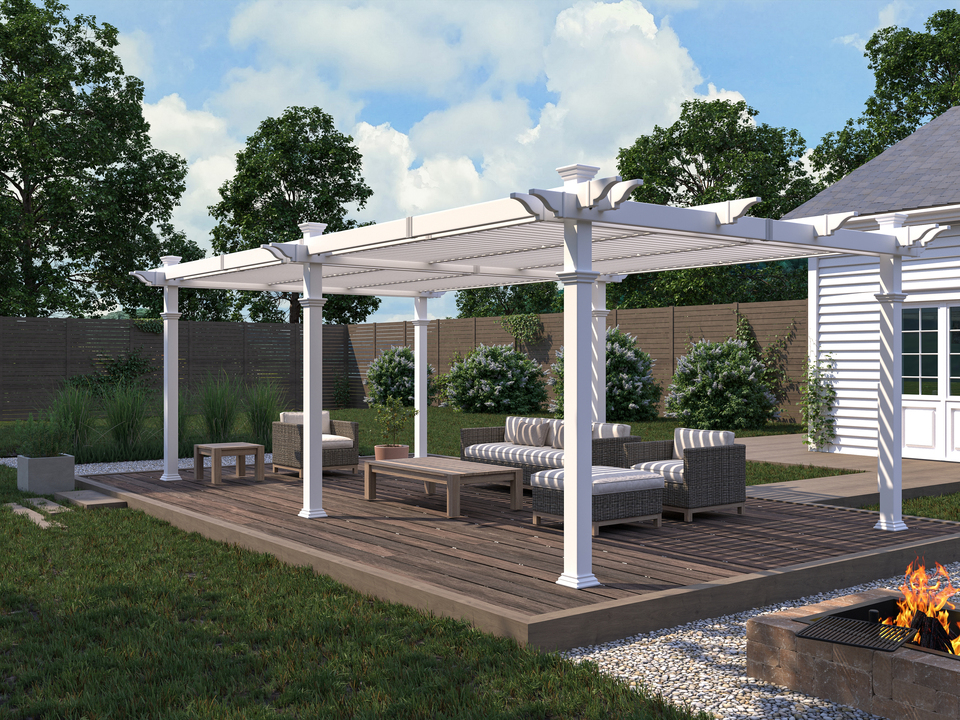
[
  {"x": 530, "y": 433},
  {"x": 684, "y": 438},
  {"x": 597, "y": 431},
  {"x": 523, "y": 454},
  {"x": 512, "y": 423},
  {"x": 671, "y": 470},
  {"x": 606, "y": 480}
]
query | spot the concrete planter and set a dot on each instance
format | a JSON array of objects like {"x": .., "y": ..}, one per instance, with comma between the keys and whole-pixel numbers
[{"x": 45, "y": 475}]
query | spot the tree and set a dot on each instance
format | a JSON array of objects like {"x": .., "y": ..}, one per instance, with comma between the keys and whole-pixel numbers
[
  {"x": 715, "y": 151},
  {"x": 505, "y": 300},
  {"x": 83, "y": 190},
  {"x": 917, "y": 78},
  {"x": 295, "y": 168}
]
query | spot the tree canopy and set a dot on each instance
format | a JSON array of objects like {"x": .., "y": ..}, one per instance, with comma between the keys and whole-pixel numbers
[
  {"x": 84, "y": 191},
  {"x": 295, "y": 168},
  {"x": 509, "y": 300},
  {"x": 917, "y": 78},
  {"x": 716, "y": 151}
]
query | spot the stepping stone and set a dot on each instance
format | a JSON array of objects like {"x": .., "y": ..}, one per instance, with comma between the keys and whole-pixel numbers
[
  {"x": 33, "y": 515},
  {"x": 48, "y": 506},
  {"x": 90, "y": 499}
]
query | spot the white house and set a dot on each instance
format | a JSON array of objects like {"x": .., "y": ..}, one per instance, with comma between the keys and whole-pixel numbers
[{"x": 915, "y": 182}]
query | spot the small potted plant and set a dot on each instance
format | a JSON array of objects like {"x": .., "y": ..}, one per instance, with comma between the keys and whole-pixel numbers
[
  {"x": 392, "y": 417},
  {"x": 42, "y": 467}
]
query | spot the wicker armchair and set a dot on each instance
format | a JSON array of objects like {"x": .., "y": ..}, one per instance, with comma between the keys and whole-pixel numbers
[
  {"x": 606, "y": 451},
  {"x": 288, "y": 447},
  {"x": 714, "y": 478}
]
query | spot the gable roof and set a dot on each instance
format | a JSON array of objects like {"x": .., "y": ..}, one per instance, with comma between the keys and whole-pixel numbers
[{"x": 922, "y": 170}]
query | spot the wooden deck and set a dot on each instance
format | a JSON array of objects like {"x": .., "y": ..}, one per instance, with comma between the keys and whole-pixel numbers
[{"x": 492, "y": 567}]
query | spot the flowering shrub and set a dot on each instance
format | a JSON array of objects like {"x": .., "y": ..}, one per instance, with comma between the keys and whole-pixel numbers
[
  {"x": 719, "y": 386},
  {"x": 391, "y": 375},
  {"x": 632, "y": 393},
  {"x": 497, "y": 379},
  {"x": 817, "y": 400}
]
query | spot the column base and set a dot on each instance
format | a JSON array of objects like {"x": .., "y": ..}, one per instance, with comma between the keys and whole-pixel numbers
[
  {"x": 310, "y": 514},
  {"x": 167, "y": 477},
  {"x": 892, "y": 525},
  {"x": 578, "y": 582}
]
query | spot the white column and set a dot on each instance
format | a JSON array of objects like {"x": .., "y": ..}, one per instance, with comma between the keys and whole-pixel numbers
[
  {"x": 578, "y": 280},
  {"x": 421, "y": 398},
  {"x": 312, "y": 303},
  {"x": 599, "y": 361},
  {"x": 171, "y": 376},
  {"x": 890, "y": 435},
  {"x": 813, "y": 318}
]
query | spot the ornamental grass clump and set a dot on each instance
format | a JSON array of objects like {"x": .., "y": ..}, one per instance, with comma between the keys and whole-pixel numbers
[
  {"x": 392, "y": 375},
  {"x": 632, "y": 392},
  {"x": 719, "y": 386},
  {"x": 497, "y": 379}
]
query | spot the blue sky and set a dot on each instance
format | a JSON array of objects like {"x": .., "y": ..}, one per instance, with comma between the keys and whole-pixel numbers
[{"x": 462, "y": 101}]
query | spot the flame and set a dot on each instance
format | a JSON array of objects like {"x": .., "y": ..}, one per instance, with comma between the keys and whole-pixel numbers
[{"x": 929, "y": 594}]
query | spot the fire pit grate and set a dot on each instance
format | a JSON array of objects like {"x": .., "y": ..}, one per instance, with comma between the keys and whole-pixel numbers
[{"x": 859, "y": 633}]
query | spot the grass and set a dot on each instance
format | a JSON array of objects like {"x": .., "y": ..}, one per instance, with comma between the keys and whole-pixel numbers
[
  {"x": 764, "y": 473},
  {"x": 121, "y": 615},
  {"x": 939, "y": 507}
]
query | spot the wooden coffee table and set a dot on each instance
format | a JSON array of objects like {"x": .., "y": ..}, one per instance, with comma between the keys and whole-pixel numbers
[
  {"x": 216, "y": 451},
  {"x": 451, "y": 472}
]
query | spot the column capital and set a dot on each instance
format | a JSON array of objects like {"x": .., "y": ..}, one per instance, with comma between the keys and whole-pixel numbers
[
  {"x": 420, "y": 323},
  {"x": 890, "y": 297},
  {"x": 312, "y": 302},
  {"x": 578, "y": 277},
  {"x": 600, "y": 313},
  {"x": 170, "y": 316}
]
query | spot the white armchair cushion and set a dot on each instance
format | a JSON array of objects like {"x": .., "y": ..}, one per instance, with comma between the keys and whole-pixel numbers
[
  {"x": 336, "y": 442},
  {"x": 684, "y": 438},
  {"x": 601, "y": 431},
  {"x": 670, "y": 470},
  {"x": 296, "y": 418}
]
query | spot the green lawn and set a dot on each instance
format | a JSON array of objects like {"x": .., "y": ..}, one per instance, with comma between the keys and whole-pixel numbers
[
  {"x": 940, "y": 507},
  {"x": 120, "y": 615}
]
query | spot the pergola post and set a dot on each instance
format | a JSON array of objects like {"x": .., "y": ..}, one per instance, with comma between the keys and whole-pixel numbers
[
  {"x": 599, "y": 361},
  {"x": 890, "y": 423},
  {"x": 577, "y": 279},
  {"x": 171, "y": 376},
  {"x": 312, "y": 303},
  {"x": 421, "y": 397}
]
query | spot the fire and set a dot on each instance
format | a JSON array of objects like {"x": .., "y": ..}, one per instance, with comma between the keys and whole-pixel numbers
[{"x": 928, "y": 594}]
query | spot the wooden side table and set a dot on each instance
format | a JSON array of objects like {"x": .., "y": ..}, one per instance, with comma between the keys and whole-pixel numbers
[{"x": 216, "y": 451}]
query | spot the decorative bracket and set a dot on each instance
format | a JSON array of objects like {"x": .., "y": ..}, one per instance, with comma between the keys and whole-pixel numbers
[
  {"x": 432, "y": 294},
  {"x": 288, "y": 252},
  {"x": 533, "y": 205},
  {"x": 911, "y": 234},
  {"x": 729, "y": 211},
  {"x": 825, "y": 225}
]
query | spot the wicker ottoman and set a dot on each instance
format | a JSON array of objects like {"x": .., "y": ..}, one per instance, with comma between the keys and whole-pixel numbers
[{"x": 619, "y": 496}]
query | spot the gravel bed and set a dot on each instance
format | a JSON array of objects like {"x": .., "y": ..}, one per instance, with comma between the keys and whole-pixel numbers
[
  {"x": 704, "y": 664},
  {"x": 140, "y": 465}
]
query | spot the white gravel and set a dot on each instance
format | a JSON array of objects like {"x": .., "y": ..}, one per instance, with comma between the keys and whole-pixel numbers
[
  {"x": 139, "y": 465},
  {"x": 704, "y": 664}
]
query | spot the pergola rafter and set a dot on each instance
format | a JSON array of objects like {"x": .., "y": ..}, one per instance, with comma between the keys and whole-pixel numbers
[{"x": 584, "y": 235}]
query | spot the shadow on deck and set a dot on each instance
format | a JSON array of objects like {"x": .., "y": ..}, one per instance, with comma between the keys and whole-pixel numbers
[{"x": 494, "y": 569}]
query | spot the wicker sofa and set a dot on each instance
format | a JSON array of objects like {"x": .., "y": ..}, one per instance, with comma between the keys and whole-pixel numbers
[
  {"x": 493, "y": 445},
  {"x": 703, "y": 470},
  {"x": 341, "y": 444}
]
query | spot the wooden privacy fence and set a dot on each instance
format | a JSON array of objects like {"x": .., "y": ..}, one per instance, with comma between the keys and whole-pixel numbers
[{"x": 38, "y": 354}]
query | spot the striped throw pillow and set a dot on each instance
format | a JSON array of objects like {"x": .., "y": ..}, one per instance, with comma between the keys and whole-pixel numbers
[{"x": 529, "y": 433}]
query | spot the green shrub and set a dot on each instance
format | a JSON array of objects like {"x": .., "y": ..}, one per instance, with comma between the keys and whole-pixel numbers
[
  {"x": 73, "y": 409},
  {"x": 817, "y": 400},
  {"x": 632, "y": 392},
  {"x": 263, "y": 409},
  {"x": 392, "y": 375},
  {"x": 40, "y": 437},
  {"x": 129, "y": 369},
  {"x": 719, "y": 386},
  {"x": 392, "y": 419},
  {"x": 125, "y": 408},
  {"x": 497, "y": 379},
  {"x": 341, "y": 391},
  {"x": 219, "y": 400}
]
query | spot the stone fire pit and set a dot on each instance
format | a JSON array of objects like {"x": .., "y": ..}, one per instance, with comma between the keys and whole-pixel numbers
[{"x": 906, "y": 683}]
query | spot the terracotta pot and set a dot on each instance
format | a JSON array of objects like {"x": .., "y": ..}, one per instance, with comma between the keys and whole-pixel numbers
[{"x": 391, "y": 452}]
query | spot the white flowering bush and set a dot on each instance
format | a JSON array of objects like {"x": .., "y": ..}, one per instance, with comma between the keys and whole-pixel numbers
[
  {"x": 632, "y": 392},
  {"x": 391, "y": 375},
  {"x": 497, "y": 379},
  {"x": 719, "y": 386}
]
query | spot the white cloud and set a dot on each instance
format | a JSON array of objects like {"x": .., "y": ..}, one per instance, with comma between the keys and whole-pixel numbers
[
  {"x": 135, "y": 50},
  {"x": 895, "y": 13}
]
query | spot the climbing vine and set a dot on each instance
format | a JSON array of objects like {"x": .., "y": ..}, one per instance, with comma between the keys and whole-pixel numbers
[
  {"x": 817, "y": 401},
  {"x": 525, "y": 327}
]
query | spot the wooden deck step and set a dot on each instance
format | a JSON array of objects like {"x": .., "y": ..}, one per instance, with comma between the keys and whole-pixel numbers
[{"x": 90, "y": 499}]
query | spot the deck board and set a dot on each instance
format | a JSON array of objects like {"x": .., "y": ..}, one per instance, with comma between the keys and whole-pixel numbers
[{"x": 495, "y": 557}]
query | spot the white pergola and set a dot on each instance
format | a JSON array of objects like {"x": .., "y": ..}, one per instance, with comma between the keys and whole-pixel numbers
[{"x": 584, "y": 234}]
